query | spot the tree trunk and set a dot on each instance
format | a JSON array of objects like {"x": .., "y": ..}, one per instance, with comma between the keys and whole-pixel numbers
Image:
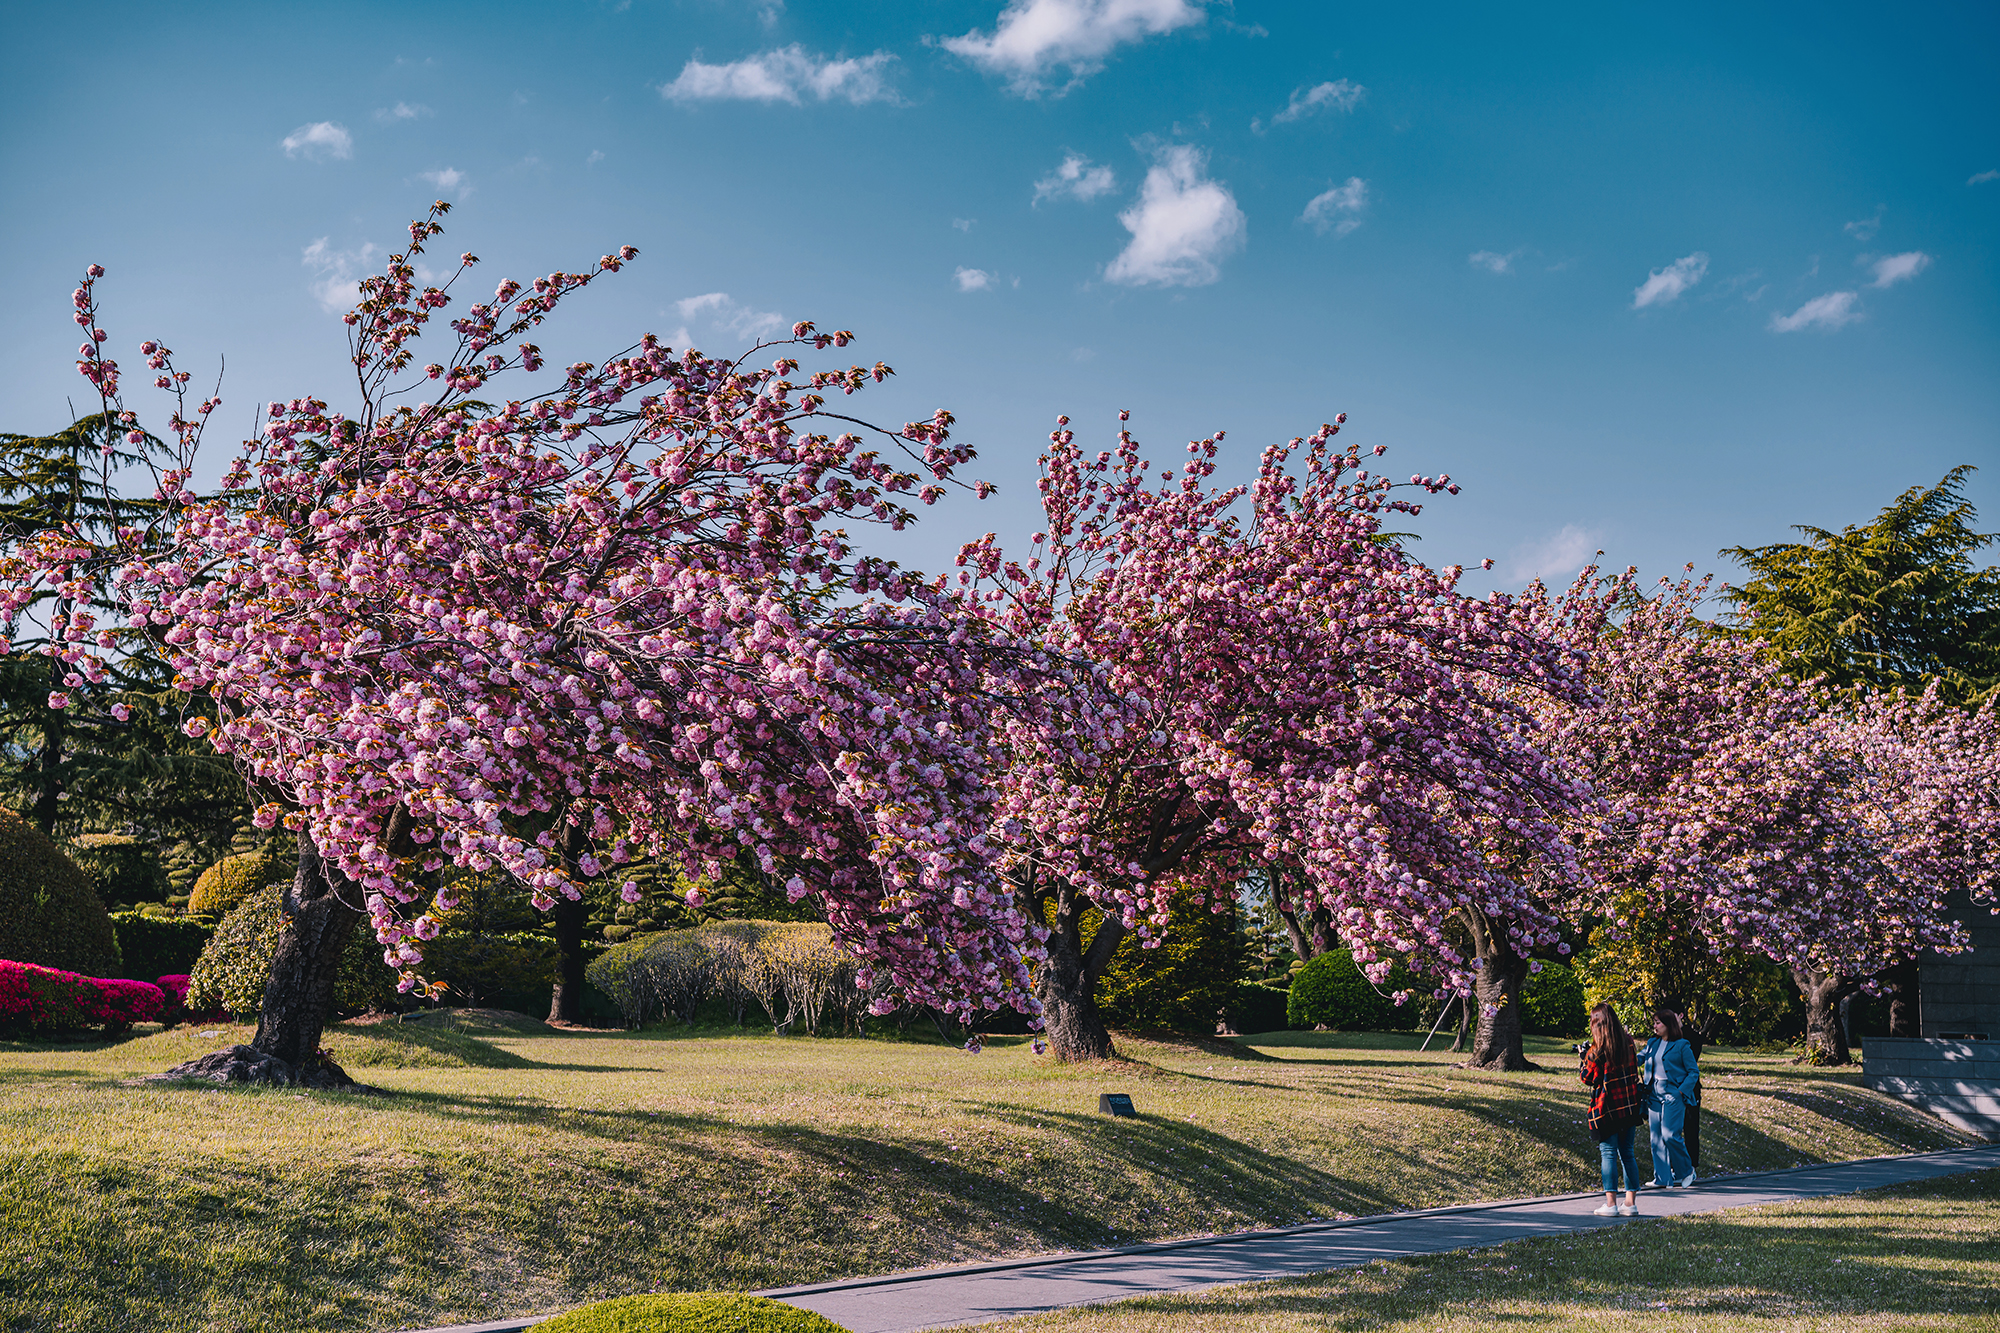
[
  {"x": 569, "y": 917},
  {"x": 1066, "y": 982},
  {"x": 1905, "y": 1007},
  {"x": 1497, "y": 993},
  {"x": 1826, "y": 1039},
  {"x": 49, "y": 783},
  {"x": 321, "y": 908},
  {"x": 1464, "y": 1025}
]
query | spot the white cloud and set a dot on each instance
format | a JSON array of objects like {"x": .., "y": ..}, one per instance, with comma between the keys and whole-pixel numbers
[
  {"x": 1983, "y": 177},
  {"x": 1076, "y": 178},
  {"x": 973, "y": 279},
  {"x": 1892, "y": 269},
  {"x": 1664, "y": 285},
  {"x": 1033, "y": 37},
  {"x": 770, "y": 12},
  {"x": 1866, "y": 228},
  {"x": 723, "y": 315},
  {"x": 1493, "y": 261},
  {"x": 447, "y": 180},
  {"x": 388, "y": 115},
  {"x": 596, "y": 156},
  {"x": 788, "y": 74},
  {"x": 1337, "y": 210},
  {"x": 1181, "y": 225},
  {"x": 337, "y": 284},
  {"x": 1340, "y": 95},
  {"x": 1554, "y": 558},
  {"x": 322, "y": 136},
  {"x": 964, "y": 224},
  {"x": 1831, "y": 311}
]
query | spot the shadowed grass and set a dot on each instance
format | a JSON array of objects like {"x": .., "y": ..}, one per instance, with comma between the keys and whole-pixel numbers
[
  {"x": 1919, "y": 1256},
  {"x": 518, "y": 1172}
]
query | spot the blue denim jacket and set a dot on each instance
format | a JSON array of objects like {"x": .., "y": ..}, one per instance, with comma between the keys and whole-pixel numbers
[{"x": 1668, "y": 1069}]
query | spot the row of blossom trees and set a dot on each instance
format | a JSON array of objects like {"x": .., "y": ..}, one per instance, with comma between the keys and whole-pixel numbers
[{"x": 622, "y": 616}]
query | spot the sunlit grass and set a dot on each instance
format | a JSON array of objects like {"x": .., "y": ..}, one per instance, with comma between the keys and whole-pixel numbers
[{"x": 515, "y": 1172}]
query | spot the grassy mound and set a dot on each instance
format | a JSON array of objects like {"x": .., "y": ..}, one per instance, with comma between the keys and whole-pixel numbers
[
  {"x": 596, "y": 1165},
  {"x": 488, "y": 1021},
  {"x": 692, "y": 1312}
]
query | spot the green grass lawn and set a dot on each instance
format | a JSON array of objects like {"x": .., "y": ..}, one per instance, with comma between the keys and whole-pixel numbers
[
  {"x": 523, "y": 1171},
  {"x": 1923, "y": 1256}
]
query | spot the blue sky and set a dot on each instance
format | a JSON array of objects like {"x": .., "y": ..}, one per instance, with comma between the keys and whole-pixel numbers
[{"x": 1657, "y": 280}]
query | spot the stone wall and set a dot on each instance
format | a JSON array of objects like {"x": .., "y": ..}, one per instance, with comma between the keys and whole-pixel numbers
[
  {"x": 1956, "y": 1081},
  {"x": 1960, "y": 993}
]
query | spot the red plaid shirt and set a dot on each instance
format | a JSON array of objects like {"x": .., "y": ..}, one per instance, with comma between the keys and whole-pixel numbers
[{"x": 1614, "y": 1085}]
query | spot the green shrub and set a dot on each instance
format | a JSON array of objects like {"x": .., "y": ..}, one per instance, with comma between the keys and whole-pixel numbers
[
  {"x": 1184, "y": 982},
  {"x": 121, "y": 868},
  {"x": 1552, "y": 1002},
  {"x": 232, "y": 880},
  {"x": 153, "y": 946},
  {"x": 236, "y": 961},
  {"x": 691, "y": 1312},
  {"x": 49, "y": 915},
  {"x": 479, "y": 969},
  {"x": 1257, "y": 1007},
  {"x": 1332, "y": 992}
]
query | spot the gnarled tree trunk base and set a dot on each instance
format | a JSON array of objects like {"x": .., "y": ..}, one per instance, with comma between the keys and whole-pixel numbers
[
  {"x": 248, "y": 1065},
  {"x": 1503, "y": 1064}
]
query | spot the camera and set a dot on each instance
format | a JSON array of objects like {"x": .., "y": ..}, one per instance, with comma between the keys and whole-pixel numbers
[{"x": 1581, "y": 1047}]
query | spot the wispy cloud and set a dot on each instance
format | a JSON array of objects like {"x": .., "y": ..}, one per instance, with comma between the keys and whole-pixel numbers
[
  {"x": 1892, "y": 269},
  {"x": 1493, "y": 261},
  {"x": 1339, "y": 95},
  {"x": 321, "y": 138},
  {"x": 1553, "y": 558},
  {"x": 596, "y": 156},
  {"x": 1865, "y": 228},
  {"x": 973, "y": 279},
  {"x": 447, "y": 180},
  {"x": 389, "y": 115},
  {"x": 337, "y": 274},
  {"x": 721, "y": 314},
  {"x": 1076, "y": 178},
  {"x": 1182, "y": 226},
  {"x": 788, "y": 74},
  {"x": 1831, "y": 311},
  {"x": 1035, "y": 37},
  {"x": 1983, "y": 177},
  {"x": 1665, "y": 285},
  {"x": 964, "y": 224},
  {"x": 1339, "y": 209}
]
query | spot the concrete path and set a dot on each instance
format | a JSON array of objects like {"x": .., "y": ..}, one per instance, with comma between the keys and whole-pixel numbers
[{"x": 942, "y": 1297}]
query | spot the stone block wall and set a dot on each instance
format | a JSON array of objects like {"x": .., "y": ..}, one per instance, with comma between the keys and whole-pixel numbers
[{"x": 1956, "y": 1081}]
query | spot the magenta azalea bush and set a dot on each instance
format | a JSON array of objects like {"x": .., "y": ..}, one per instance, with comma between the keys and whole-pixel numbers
[{"x": 45, "y": 1001}]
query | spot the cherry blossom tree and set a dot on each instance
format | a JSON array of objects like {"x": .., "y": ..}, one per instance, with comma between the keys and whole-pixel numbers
[
  {"x": 1291, "y": 688},
  {"x": 612, "y": 617}
]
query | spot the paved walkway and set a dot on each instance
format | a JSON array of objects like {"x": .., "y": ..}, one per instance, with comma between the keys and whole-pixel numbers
[{"x": 941, "y": 1297}]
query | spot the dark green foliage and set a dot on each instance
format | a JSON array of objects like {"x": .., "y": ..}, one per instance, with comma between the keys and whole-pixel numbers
[
  {"x": 1257, "y": 1007},
  {"x": 48, "y": 912},
  {"x": 1552, "y": 1002},
  {"x": 151, "y": 947},
  {"x": 1898, "y": 602},
  {"x": 234, "y": 879},
  {"x": 484, "y": 969},
  {"x": 122, "y": 869},
  {"x": 1331, "y": 992},
  {"x": 1185, "y": 982},
  {"x": 690, "y": 1312},
  {"x": 236, "y": 962}
]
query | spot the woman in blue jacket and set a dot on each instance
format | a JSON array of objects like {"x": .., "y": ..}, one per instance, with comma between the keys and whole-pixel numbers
[{"x": 1673, "y": 1083}]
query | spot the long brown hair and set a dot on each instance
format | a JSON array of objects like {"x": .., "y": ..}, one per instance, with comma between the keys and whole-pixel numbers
[{"x": 1608, "y": 1038}]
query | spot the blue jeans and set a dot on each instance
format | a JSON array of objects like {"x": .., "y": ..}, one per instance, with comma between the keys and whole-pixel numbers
[
  {"x": 1664, "y": 1118},
  {"x": 1614, "y": 1150}
]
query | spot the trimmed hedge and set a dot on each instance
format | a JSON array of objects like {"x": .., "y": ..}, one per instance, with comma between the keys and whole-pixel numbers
[
  {"x": 224, "y": 886},
  {"x": 121, "y": 868},
  {"x": 1331, "y": 991},
  {"x": 1257, "y": 1007},
  {"x": 152, "y": 946},
  {"x": 690, "y": 1312},
  {"x": 49, "y": 914},
  {"x": 43, "y": 1001}
]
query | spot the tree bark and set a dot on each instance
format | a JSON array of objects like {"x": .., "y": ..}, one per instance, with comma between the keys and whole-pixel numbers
[
  {"x": 49, "y": 783},
  {"x": 1464, "y": 1034},
  {"x": 1905, "y": 1004},
  {"x": 1826, "y": 1038},
  {"x": 1066, "y": 982},
  {"x": 1497, "y": 993},
  {"x": 568, "y": 917}
]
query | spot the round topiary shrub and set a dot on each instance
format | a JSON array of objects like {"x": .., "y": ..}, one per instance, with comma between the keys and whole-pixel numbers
[
  {"x": 49, "y": 915},
  {"x": 690, "y": 1312},
  {"x": 236, "y": 962},
  {"x": 225, "y": 885},
  {"x": 1330, "y": 991}
]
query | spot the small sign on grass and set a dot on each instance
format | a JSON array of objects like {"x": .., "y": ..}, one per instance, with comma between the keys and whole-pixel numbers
[{"x": 1115, "y": 1104}]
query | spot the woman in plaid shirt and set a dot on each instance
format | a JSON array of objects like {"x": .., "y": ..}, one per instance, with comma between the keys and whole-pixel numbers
[{"x": 1611, "y": 1069}]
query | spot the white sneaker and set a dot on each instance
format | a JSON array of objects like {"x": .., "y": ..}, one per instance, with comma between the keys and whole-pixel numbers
[
  {"x": 1689, "y": 1180},
  {"x": 1606, "y": 1210},
  {"x": 1657, "y": 1185},
  {"x": 1628, "y": 1210}
]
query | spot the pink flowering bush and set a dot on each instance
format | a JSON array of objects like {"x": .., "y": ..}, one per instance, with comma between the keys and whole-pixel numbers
[{"x": 47, "y": 1001}]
